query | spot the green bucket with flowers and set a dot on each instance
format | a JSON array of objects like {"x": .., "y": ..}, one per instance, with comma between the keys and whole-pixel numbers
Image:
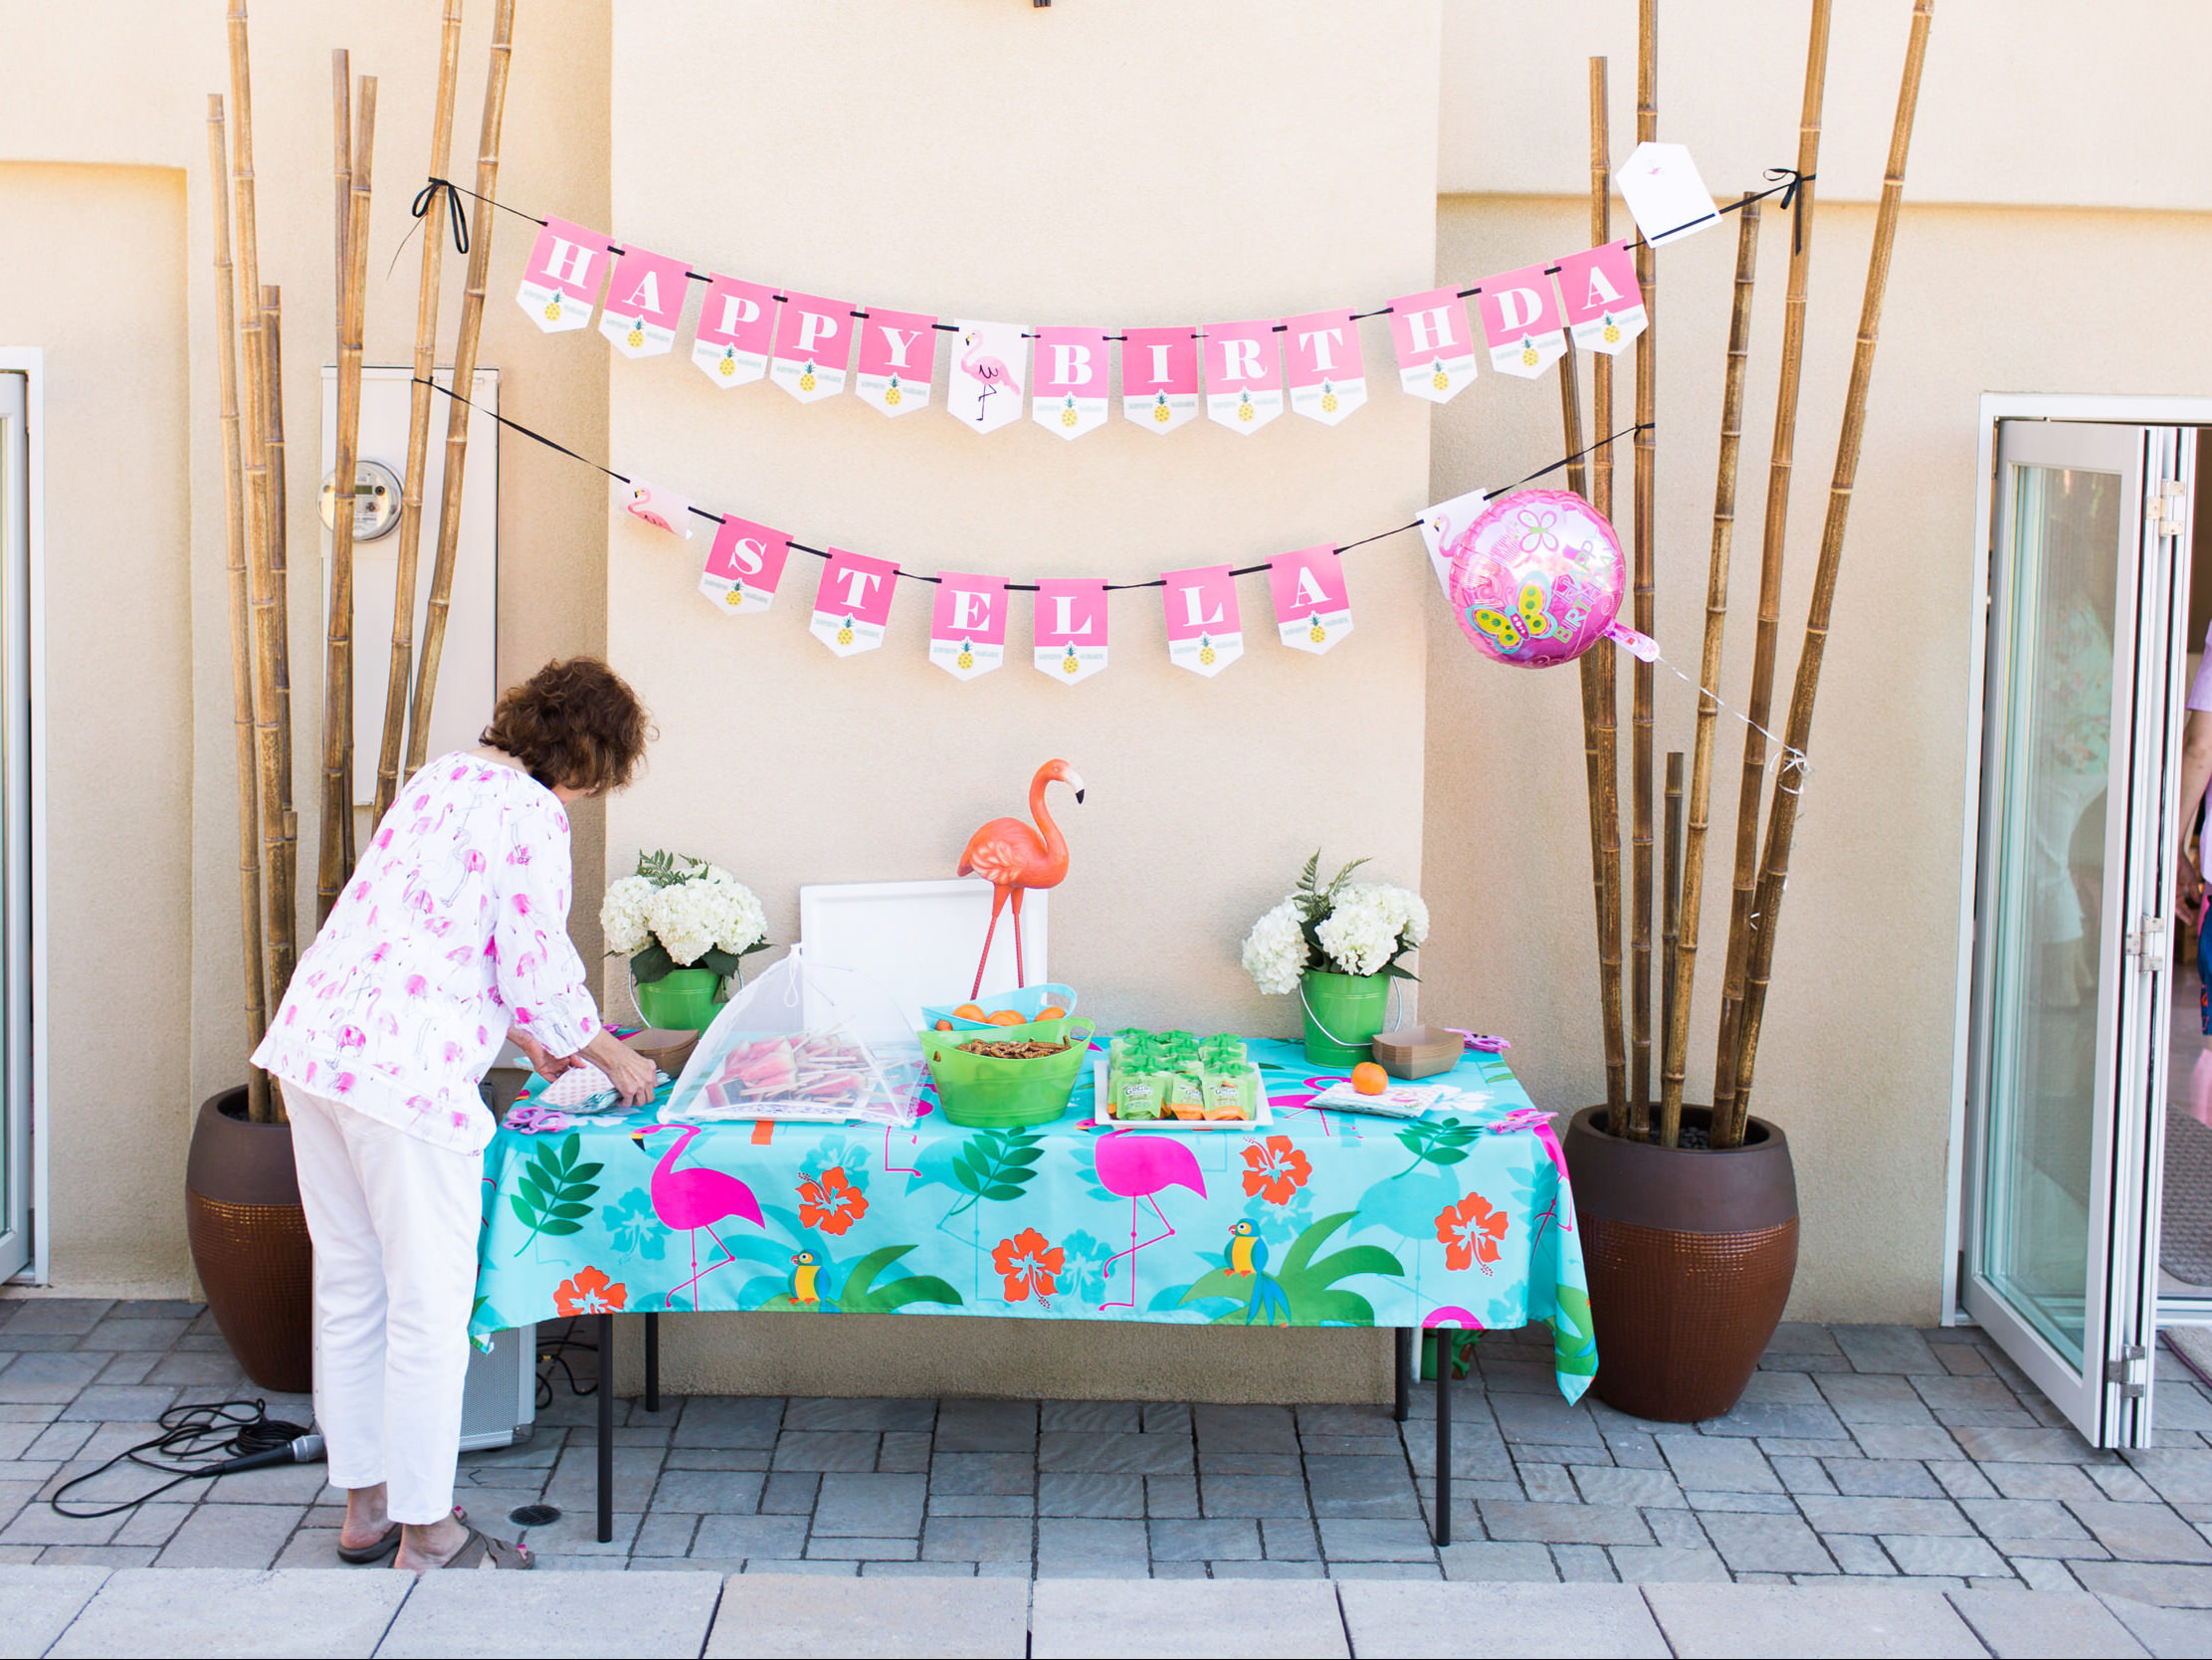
[
  {"x": 687, "y": 927},
  {"x": 1339, "y": 946}
]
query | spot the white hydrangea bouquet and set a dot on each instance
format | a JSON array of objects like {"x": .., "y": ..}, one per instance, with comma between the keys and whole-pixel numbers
[
  {"x": 1348, "y": 927},
  {"x": 677, "y": 911}
]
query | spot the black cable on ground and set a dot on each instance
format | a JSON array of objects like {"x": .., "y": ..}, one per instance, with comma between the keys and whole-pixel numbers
[{"x": 224, "y": 1436}]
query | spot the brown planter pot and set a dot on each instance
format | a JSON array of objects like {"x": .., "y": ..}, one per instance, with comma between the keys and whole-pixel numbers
[
  {"x": 250, "y": 1242},
  {"x": 1689, "y": 1254}
]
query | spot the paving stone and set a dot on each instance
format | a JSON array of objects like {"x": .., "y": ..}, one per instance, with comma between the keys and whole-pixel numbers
[
  {"x": 664, "y": 1533},
  {"x": 1289, "y": 1539},
  {"x": 535, "y": 1613},
  {"x": 1128, "y": 1453},
  {"x": 233, "y": 1612},
  {"x": 1551, "y": 1483},
  {"x": 1668, "y": 1564},
  {"x": 787, "y": 1566},
  {"x": 968, "y": 1618},
  {"x": 1164, "y": 1417},
  {"x": 1840, "y": 1619},
  {"x": 1255, "y": 1617},
  {"x": 2163, "y": 1631},
  {"x": 1107, "y": 1546},
  {"x": 231, "y": 1536},
  {"x": 1378, "y": 1487},
  {"x": 1803, "y": 1475},
  {"x": 68, "y": 1368},
  {"x": 1797, "y": 1336},
  {"x": 1542, "y": 1418},
  {"x": 1479, "y": 1451},
  {"x": 1923, "y": 1440},
  {"x": 870, "y": 1506},
  {"x": 2025, "y": 1446},
  {"x": 1886, "y": 1349},
  {"x": 2119, "y": 1482},
  {"x": 1603, "y": 1484},
  {"x": 1098, "y": 1417},
  {"x": 2014, "y": 1624},
  {"x": 1497, "y": 1619},
  {"x": 2042, "y": 1575},
  {"x": 104, "y": 1401},
  {"x": 1210, "y": 1540},
  {"x": 575, "y": 1479},
  {"x": 826, "y": 1450},
  {"x": 729, "y": 1492},
  {"x": 925, "y": 1569},
  {"x": 1585, "y": 1564},
  {"x": 576, "y": 1534},
  {"x": 2054, "y": 1549},
  {"x": 1182, "y": 1570},
  {"x": 903, "y": 1453},
  {"x": 1170, "y": 1496},
  {"x": 1859, "y": 1554},
  {"x": 72, "y": 1315},
  {"x": 1370, "y": 1422},
  {"x": 1090, "y": 1494},
  {"x": 1384, "y": 1571},
  {"x": 1961, "y": 1480},
  {"x": 1750, "y": 1504},
  {"x": 976, "y": 1539},
  {"x": 132, "y": 1367},
  {"x": 1249, "y": 1464},
  {"x": 41, "y": 1602},
  {"x": 2180, "y": 1476},
  {"x": 1634, "y": 1450},
  {"x": 1875, "y": 1398},
  {"x": 1714, "y": 1464},
  {"x": 102, "y": 1556},
  {"x": 111, "y": 1333},
  {"x": 822, "y": 1547},
  {"x": 1562, "y": 1524},
  {"x": 998, "y": 1472},
  {"x": 745, "y": 1537},
  {"x": 1267, "y": 1570},
  {"x": 716, "y": 1458},
  {"x": 1790, "y": 1419},
  {"x": 986, "y": 1426},
  {"x": 858, "y": 1415},
  {"x": 1767, "y": 1543},
  {"x": 2167, "y": 1585},
  {"x": 1918, "y": 1553},
  {"x": 730, "y": 1422},
  {"x": 1491, "y": 1563},
  {"x": 1884, "y": 1478},
  {"x": 1928, "y": 1516},
  {"x": 790, "y": 1493},
  {"x": 1245, "y": 1429},
  {"x": 2140, "y": 1532},
  {"x": 982, "y": 1503},
  {"x": 1673, "y": 1528}
]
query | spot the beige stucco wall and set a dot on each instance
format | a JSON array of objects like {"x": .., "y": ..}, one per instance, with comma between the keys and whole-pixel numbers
[
  {"x": 1033, "y": 165},
  {"x": 104, "y": 136}
]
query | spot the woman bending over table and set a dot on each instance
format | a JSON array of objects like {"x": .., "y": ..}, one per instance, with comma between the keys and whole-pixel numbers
[{"x": 451, "y": 935}]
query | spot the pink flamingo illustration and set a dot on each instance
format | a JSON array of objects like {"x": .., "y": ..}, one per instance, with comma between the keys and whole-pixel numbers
[
  {"x": 1137, "y": 1167},
  {"x": 1012, "y": 857},
  {"x": 989, "y": 370},
  {"x": 696, "y": 1198}
]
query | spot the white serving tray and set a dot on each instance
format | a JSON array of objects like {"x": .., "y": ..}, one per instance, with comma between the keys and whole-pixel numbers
[
  {"x": 1174, "y": 1127},
  {"x": 920, "y": 940}
]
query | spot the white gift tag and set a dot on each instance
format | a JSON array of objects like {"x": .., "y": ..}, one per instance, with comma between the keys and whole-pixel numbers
[{"x": 1669, "y": 200}]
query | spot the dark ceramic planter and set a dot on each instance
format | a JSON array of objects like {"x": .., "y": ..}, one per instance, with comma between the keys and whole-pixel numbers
[
  {"x": 1689, "y": 1254},
  {"x": 250, "y": 1242}
]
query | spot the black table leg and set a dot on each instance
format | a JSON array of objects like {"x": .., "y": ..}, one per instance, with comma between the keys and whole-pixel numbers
[
  {"x": 653, "y": 1362},
  {"x": 1447, "y": 1346},
  {"x": 606, "y": 1428},
  {"x": 1401, "y": 1399}
]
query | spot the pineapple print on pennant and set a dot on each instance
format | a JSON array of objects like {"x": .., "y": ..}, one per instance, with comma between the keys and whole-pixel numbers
[
  {"x": 1327, "y": 377},
  {"x": 897, "y": 356},
  {"x": 561, "y": 282},
  {"x": 854, "y": 602},
  {"x": 1310, "y": 610},
  {"x": 1435, "y": 344},
  {"x": 1204, "y": 632},
  {"x": 1244, "y": 375},
  {"x": 814, "y": 341},
  {"x": 645, "y": 299},
  {"x": 967, "y": 624},
  {"x": 1068, "y": 380}
]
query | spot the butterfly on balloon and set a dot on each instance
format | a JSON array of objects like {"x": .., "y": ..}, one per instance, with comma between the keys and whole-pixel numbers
[{"x": 1537, "y": 579}]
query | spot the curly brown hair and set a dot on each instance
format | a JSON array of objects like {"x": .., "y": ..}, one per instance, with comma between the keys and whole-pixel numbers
[{"x": 575, "y": 722}]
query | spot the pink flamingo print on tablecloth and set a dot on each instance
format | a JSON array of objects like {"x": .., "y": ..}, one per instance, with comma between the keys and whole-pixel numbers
[
  {"x": 990, "y": 372},
  {"x": 696, "y": 1198},
  {"x": 1138, "y": 1166}
]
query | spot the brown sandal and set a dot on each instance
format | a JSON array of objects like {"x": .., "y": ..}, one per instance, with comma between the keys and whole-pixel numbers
[
  {"x": 367, "y": 1555},
  {"x": 482, "y": 1551}
]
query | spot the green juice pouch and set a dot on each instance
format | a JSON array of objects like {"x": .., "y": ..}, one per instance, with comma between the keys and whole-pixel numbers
[{"x": 1135, "y": 1095}]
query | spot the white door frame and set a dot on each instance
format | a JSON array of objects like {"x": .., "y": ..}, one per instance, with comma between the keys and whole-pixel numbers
[
  {"x": 31, "y": 362},
  {"x": 1995, "y": 407}
]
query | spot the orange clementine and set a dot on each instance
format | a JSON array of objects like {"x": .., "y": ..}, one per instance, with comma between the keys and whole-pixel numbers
[
  {"x": 1051, "y": 1012},
  {"x": 1008, "y": 1017},
  {"x": 1370, "y": 1078},
  {"x": 969, "y": 1011},
  {"x": 944, "y": 1025}
]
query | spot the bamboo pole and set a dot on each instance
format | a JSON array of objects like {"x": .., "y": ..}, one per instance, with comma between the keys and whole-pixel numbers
[
  {"x": 270, "y": 751},
  {"x": 418, "y": 421},
  {"x": 284, "y": 891},
  {"x": 242, "y": 657},
  {"x": 341, "y": 153},
  {"x": 1645, "y": 454},
  {"x": 1601, "y": 678},
  {"x": 464, "y": 382},
  {"x": 327, "y": 877},
  {"x": 337, "y": 674},
  {"x": 1670, "y": 919},
  {"x": 1782, "y": 819},
  {"x": 1682, "y": 969},
  {"x": 1766, "y": 638}
]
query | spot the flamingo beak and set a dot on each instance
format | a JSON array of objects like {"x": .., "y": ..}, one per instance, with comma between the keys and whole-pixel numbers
[
  {"x": 638, "y": 1136},
  {"x": 1077, "y": 784}
]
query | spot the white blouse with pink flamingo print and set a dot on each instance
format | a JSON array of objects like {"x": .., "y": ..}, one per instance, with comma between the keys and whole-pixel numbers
[{"x": 453, "y": 928}]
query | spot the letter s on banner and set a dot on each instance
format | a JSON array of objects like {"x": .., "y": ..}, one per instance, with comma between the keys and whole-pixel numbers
[{"x": 743, "y": 566}]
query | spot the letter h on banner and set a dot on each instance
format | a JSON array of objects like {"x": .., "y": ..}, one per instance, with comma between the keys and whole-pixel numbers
[{"x": 560, "y": 285}]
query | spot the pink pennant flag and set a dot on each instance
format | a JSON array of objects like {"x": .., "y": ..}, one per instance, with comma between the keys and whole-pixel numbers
[
  {"x": 645, "y": 302},
  {"x": 1604, "y": 304},
  {"x": 1328, "y": 379},
  {"x": 1436, "y": 348},
  {"x": 814, "y": 342},
  {"x": 854, "y": 602},
  {"x": 1244, "y": 375},
  {"x": 1312, "y": 611},
  {"x": 560, "y": 285},
  {"x": 664, "y": 509},
  {"x": 743, "y": 566},
  {"x": 1068, "y": 380},
  {"x": 1159, "y": 376},
  {"x": 898, "y": 357},
  {"x": 1521, "y": 321},
  {"x": 737, "y": 331},
  {"x": 985, "y": 388},
  {"x": 1070, "y": 629},
  {"x": 967, "y": 626},
  {"x": 1204, "y": 633}
]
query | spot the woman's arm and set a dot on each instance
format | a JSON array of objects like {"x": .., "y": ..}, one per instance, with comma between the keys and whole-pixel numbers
[{"x": 2196, "y": 772}]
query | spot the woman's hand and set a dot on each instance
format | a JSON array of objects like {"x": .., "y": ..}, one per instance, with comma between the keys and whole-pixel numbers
[
  {"x": 2188, "y": 889},
  {"x": 546, "y": 1064},
  {"x": 628, "y": 1071}
]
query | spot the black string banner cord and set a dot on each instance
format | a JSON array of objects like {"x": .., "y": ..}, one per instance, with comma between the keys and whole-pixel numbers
[
  {"x": 1788, "y": 189},
  {"x": 903, "y": 574}
]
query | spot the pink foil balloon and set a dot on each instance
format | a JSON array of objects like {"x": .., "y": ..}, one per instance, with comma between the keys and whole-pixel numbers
[{"x": 1537, "y": 578}]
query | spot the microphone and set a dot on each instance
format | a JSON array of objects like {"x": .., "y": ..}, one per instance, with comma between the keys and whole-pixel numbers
[{"x": 301, "y": 1449}]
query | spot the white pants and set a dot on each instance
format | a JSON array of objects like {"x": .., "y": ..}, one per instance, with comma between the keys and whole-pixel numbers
[{"x": 394, "y": 1220}]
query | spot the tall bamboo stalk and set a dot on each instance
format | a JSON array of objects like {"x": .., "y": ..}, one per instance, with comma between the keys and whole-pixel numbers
[
  {"x": 1766, "y": 638},
  {"x": 332, "y": 804},
  {"x": 1601, "y": 679},
  {"x": 337, "y": 674},
  {"x": 1669, "y": 918},
  {"x": 1646, "y": 453},
  {"x": 418, "y": 421},
  {"x": 1781, "y": 822},
  {"x": 241, "y": 652},
  {"x": 463, "y": 379},
  {"x": 1683, "y": 963},
  {"x": 284, "y": 877},
  {"x": 272, "y": 743}
]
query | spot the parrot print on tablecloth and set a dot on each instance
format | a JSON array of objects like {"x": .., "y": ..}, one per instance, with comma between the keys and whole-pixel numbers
[{"x": 1248, "y": 1255}]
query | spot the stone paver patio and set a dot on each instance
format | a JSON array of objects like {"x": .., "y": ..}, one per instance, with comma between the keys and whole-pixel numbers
[{"x": 1860, "y": 1454}]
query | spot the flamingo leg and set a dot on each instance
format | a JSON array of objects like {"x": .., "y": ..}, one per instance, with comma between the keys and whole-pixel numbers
[
  {"x": 1134, "y": 1247},
  {"x": 698, "y": 1273},
  {"x": 998, "y": 901},
  {"x": 1020, "y": 975}
]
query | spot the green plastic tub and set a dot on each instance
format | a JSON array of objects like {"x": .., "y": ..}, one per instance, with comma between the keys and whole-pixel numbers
[{"x": 981, "y": 1092}]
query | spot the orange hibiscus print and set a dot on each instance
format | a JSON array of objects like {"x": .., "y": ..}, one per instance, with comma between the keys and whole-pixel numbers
[
  {"x": 1276, "y": 1171},
  {"x": 830, "y": 1202},
  {"x": 1031, "y": 1263},
  {"x": 590, "y": 1293},
  {"x": 1471, "y": 1231}
]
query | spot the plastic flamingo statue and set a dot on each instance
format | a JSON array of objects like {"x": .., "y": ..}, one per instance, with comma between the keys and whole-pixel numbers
[
  {"x": 989, "y": 370},
  {"x": 1012, "y": 857},
  {"x": 1140, "y": 1166},
  {"x": 696, "y": 1198}
]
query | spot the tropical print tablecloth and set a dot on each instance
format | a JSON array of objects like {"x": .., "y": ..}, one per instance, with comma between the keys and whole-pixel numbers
[{"x": 1318, "y": 1218}]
